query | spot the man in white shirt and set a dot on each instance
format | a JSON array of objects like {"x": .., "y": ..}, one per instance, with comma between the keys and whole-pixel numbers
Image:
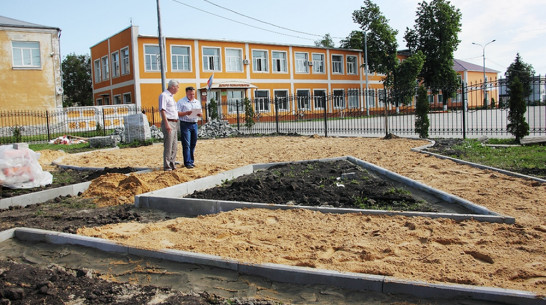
[
  {"x": 169, "y": 124},
  {"x": 189, "y": 112}
]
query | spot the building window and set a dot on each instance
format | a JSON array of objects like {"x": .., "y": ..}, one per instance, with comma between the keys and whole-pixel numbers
[
  {"x": 151, "y": 58},
  {"x": 281, "y": 98},
  {"x": 234, "y": 60},
  {"x": 26, "y": 54},
  {"x": 127, "y": 98},
  {"x": 351, "y": 65},
  {"x": 261, "y": 100},
  {"x": 97, "y": 71},
  {"x": 337, "y": 64},
  {"x": 104, "y": 68},
  {"x": 99, "y": 102},
  {"x": 117, "y": 100},
  {"x": 352, "y": 96},
  {"x": 211, "y": 59},
  {"x": 303, "y": 99},
  {"x": 279, "y": 61},
  {"x": 318, "y": 63},
  {"x": 319, "y": 98},
  {"x": 259, "y": 61},
  {"x": 370, "y": 100},
  {"x": 301, "y": 63},
  {"x": 339, "y": 99},
  {"x": 235, "y": 101},
  {"x": 180, "y": 58},
  {"x": 125, "y": 61},
  {"x": 106, "y": 100},
  {"x": 115, "y": 64}
]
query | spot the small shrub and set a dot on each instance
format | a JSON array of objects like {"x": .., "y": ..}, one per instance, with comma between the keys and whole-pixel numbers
[{"x": 249, "y": 113}]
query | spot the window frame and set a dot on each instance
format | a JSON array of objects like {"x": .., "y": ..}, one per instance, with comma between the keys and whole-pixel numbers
[
  {"x": 353, "y": 65},
  {"x": 96, "y": 70},
  {"x": 263, "y": 102},
  {"x": 336, "y": 63},
  {"x": 265, "y": 61},
  {"x": 318, "y": 63},
  {"x": 125, "y": 66},
  {"x": 301, "y": 101},
  {"x": 105, "y": 73},
  {"x": 299, "y": 63},
  {"x": 336, "y": 100},
  {"x": 31, "y": 54},
  {"x": 216, "y": 59},
  {"x": 352, "y": 96},
  {"x": 180, "y": 62},
  {"x": 285, "y": 102},
  {"x": 238, "y": 60},
  {"x": 118, "y": 97},
  {"x": 149, "y": 56},
  {"x": 115, "y": 64},
  {"x": 130, "y": 98},
  {"x": 316, "y": 105},
  {"x": 282, "y": 61}
]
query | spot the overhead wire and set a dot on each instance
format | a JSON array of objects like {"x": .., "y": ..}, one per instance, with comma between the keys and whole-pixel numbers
[
  {"x": 236, "y": 21},
  {"x": 265, "y": 22}
]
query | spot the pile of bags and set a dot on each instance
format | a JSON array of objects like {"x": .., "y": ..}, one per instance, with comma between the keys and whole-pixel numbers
[{"x": 19, "y": 168}]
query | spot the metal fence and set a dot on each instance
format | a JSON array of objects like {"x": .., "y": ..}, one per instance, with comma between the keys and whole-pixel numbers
[{"x": 475, "y": 111}]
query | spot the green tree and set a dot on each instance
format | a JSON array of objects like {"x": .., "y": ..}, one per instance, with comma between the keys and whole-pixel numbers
[
  {"x": 249, "y": 113},
  {"x": 381, "y": 40},
  {"x": 213, "y": 109},
  {"x": 516, "y": 115},
  {"x": 422, "y": 108},
  {"x": 77, "y": 84},
  {"x": 326, "y": 42},
  {"x": 523, "y": 71},
  {"x": 355, "y": 40},
  {"x": 435, "y": 33},
  {"x": 405, "y": 78}
]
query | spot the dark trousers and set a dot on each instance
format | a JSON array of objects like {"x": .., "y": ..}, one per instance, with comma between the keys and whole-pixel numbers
[{"x": 189, "y": 140}]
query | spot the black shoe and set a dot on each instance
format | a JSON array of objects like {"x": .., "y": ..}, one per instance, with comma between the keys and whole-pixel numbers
[{"x": 190, "y": 166}]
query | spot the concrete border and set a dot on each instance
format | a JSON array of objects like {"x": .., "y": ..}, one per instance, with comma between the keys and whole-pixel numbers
[
  {"x": 43, "y": 196},
  {"x": 421, "y": 149},
  {"x": 171, "y": 199},
  {"x": 291, "y": 274}
]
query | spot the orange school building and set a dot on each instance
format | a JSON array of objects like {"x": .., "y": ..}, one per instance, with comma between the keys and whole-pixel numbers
[{"x": 126, "y": 70}]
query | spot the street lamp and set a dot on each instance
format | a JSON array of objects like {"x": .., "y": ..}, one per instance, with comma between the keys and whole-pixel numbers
[{"x": 484, "y": 78}]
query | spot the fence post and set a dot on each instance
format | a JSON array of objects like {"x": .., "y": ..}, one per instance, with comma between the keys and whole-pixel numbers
[
  {"x": 276, "y": 100},
  {"x": 386, "y": 113},
  {"x": 103, "y": 122},
  {"x": 463, "y": 93},
  {"x": 325, "y": 118},
  {"x": 237, "y": 106},
  {"x": 47, "y": 124}
]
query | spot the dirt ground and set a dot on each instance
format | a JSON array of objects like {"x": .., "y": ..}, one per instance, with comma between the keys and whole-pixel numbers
[{"x": 440, "y": 250}]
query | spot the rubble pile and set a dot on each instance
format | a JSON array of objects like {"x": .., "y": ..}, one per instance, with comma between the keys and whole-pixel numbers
[{"x": 217, "y": 129}]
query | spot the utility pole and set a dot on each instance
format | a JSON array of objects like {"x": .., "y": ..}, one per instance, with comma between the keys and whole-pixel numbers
[
  {"x": 484, "y": 78},
  {"x": 366, "y": 63},
  {"x": 161, "y": 47}
]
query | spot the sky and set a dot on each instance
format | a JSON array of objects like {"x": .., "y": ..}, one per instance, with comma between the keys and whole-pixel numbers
[{"x": 516, "y": 26}]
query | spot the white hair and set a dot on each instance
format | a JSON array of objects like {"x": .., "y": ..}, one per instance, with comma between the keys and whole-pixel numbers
[{"x": 172, "y": 83}]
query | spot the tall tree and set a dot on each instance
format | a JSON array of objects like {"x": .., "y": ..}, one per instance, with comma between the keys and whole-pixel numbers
[
  {"x": 355, "y": 40},
  {"x": 516, "y": 115},
  {"x": 435, "y": 33},
  {"x": 77, "y": 80},
  {"x": 326, "y": 42},
  {"x": 381, "y": 40},
  {"x": 523, "y": 71},
  {"x": 405, "y": 78}
]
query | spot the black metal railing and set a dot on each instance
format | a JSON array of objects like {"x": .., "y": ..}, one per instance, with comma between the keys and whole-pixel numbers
[{"x": 473, "y": 111}]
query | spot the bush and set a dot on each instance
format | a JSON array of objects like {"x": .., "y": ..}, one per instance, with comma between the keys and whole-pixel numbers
[
  {"x": 249, "y": 113},
  {"x": 422, "y": 108},
  {"x": 516, "y": 115},
  {"x": 213, "y": 109}
]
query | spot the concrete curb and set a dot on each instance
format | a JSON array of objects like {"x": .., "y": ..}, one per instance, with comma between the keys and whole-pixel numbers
[
  {"x": 421, "y": 149},
  {"x": 171, "y": 199},
  {"x": 291, "y": 274},
  {"x": 43, "y": 196}
]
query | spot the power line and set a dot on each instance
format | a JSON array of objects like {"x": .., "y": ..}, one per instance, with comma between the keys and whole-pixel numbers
[
  {"x": 268, "y": 23},
  {"x": 219, "y": 16}
]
